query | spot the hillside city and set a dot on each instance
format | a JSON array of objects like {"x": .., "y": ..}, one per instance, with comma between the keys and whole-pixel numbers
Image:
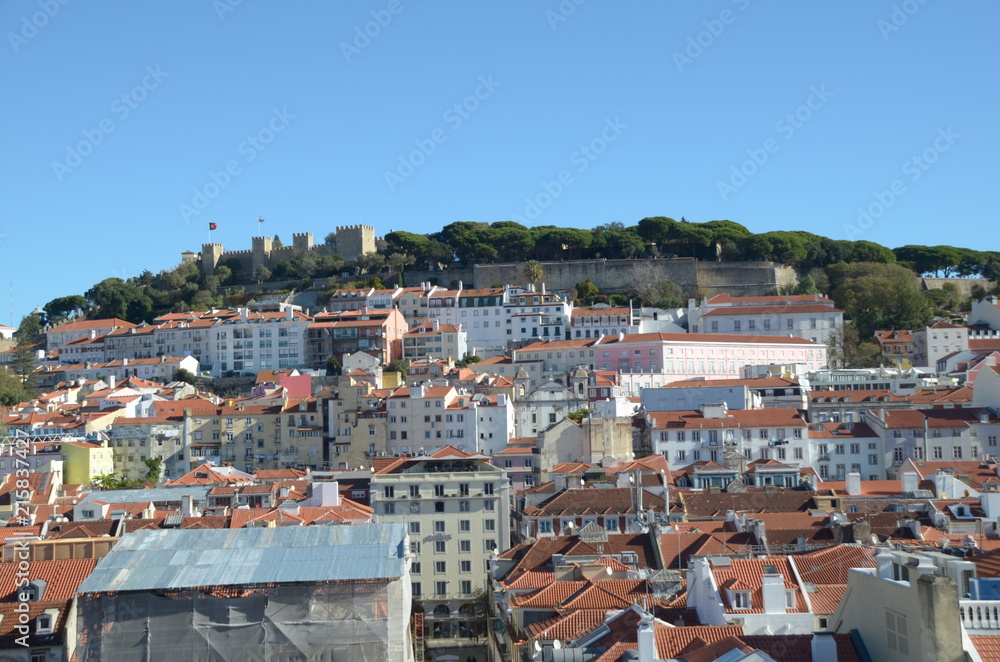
[{"x": 670, "y": 441}]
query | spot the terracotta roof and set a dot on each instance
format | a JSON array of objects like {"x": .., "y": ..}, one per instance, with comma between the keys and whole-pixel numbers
[
  {"x": 62, "y": 577},
  {"x": 798, "y": 647},
  {"x": 719, "y": 299},
  {"x": 988, "y": 646},
  {"x": 592, "y": 501},
  {"x": 770, "y": 310},
  {"x": 706, "y": 505},
  {"x": 86, "y": 325}
]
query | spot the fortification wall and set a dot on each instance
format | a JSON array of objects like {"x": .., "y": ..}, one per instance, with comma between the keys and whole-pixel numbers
[
  {"x": 744, "y": 278},
  {"x": 964, "y": 285},
  {"x": 608, "y": 275}
]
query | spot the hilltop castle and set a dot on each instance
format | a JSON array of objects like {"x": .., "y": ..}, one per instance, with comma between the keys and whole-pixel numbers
[{"x": 351, "y": 241}]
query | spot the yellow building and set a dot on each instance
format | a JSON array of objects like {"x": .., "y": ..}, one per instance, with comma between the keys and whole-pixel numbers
[{"x": 83, "y": 461}]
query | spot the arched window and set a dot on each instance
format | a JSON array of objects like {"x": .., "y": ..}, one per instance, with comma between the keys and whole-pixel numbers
[{"x": 442, "y": 611}]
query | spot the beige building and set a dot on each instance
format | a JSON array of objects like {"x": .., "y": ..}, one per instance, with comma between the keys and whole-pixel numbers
[{"x": 456, "y": 506}]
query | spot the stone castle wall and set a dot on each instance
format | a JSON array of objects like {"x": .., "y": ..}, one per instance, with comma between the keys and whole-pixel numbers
[
  {"x": 617, "y": 276},
  {"x": 351, "y": 242}
]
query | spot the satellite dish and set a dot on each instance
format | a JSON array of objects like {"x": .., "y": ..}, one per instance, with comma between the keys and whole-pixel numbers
[
  {"x": 557, "y": 644},
  {"x": 874, "y": 539},
  {"x": 607, "y": 569},
  {"x": 582, "y": 483},
  {"x": 538, "y": 646}
]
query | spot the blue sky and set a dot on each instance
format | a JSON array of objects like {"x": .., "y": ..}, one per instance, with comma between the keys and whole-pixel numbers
[{"x": 122, "y": 119}]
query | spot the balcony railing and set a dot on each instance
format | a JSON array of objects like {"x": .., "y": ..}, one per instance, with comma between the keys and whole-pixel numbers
[{"x": 980, "y": 614}]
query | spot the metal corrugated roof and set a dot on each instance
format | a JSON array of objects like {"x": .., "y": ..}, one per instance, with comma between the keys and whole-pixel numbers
[
  {"x": 156, "y": 495},
  {"x": 176, "y": 559}
]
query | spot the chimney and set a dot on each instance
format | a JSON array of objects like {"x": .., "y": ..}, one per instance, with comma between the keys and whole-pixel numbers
[
  {"x": 244, "y": 314},
  {"x": 459, "y": 286},
  {"x": 112, "y": 381},
  {"x": 289, "y": 313},
  {"x": 854, "y": 484},
  {"x": 560, "y": 482},
  {"x": 773, "y": 592},
  {"x": 883, "y": 561},
  {"x": 910, "y": 481},
  {"x": 824, "y": 647},
  {"x": 187, "y": 508},
  {"x": 647, "y": 643}
]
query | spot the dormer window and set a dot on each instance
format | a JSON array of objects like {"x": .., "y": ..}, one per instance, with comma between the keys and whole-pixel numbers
[
  {"x": 740, "y": 599},
  {"x": 43, "y": 624}
]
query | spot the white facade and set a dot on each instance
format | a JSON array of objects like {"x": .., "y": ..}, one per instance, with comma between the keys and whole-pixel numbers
[
  {"x": 428, "y": 416},
  {"x": 812, "y": 317}
]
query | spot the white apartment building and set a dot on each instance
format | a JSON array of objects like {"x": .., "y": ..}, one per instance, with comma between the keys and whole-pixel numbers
[
  {"x": 482, "y": 314},
  {"x": 254, "y": 341},
  {"x": 429, "y": 416},
  {"x": 537, "y": 315},
  {"x": 936, "y": 341},
  {"x": 934, "y": 434},
  {"x": 812, "y": 317},
  {"x": 717, "y": 434}
]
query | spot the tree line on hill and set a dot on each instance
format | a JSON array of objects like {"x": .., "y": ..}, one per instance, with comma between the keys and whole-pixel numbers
[{"x": 877, "y": 287}]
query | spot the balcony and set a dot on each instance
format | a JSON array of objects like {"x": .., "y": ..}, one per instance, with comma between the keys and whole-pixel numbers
[{"x": 980, "y": 614}]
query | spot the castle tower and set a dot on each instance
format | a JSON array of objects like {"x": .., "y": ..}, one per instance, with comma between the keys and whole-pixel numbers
[
  {"x": 260, "y": 253},
  {"x": 210, "y": 256},
  {"x": 302, "y": 241},
  {"x": 355, "y": 240}
]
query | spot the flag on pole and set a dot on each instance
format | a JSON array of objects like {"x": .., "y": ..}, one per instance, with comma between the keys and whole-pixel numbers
[{"x": 213, "y": 226}]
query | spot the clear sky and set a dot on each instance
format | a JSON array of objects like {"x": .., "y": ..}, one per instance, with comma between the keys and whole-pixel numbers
[{"x": 121, "y": 119}]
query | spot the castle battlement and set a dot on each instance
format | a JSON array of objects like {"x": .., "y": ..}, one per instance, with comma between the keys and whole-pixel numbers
[{"x": 351, "y": 241}]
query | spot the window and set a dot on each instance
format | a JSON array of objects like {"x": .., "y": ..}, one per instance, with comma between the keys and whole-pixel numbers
[
  {"x": 441, "y": 588},
  {"x": 936, "y": 451},
  {"x": 416, "y": 589},
  {"x": 439, "y": 526},
  {"x": 465, "y": 546},
  {"x": 390, "y": 509},
  {"x": 463, "y": 506},
  {"x": 414, "y": 527},
  {"x": 465, "y": 566},
  {"x": 466, "y": 587},
  {"x": 487, "y": 488},
  {"x": 415, "y": 491},
  {"x": 895, "y": 632},
  {"x": 489, "y": 525},
  {"x": 956, "y": 452},
  {"x": 440, "y": 568},
  {"x": 389, "y": 492},
  {"x": 873, "y": 459},
  {"x": 439, "y": 547},
  {"x": 790, "y": 600},
  {"x": 797, "y": 453},
  {"x": 489, "y": 505},
  {"x": 463, "y": 525},
  {"x": 415, "y": 568},
  {"x": 414, "y": 506},
  {"x": 439, "y": 506},
  {"x": 741, "y": 599},
  {"x": 414, "y": 547},
  {"x": 439, "y": 490}
]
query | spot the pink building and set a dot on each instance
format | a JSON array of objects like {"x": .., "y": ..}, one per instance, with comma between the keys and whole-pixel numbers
[{"x": 674, "y": 356}]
